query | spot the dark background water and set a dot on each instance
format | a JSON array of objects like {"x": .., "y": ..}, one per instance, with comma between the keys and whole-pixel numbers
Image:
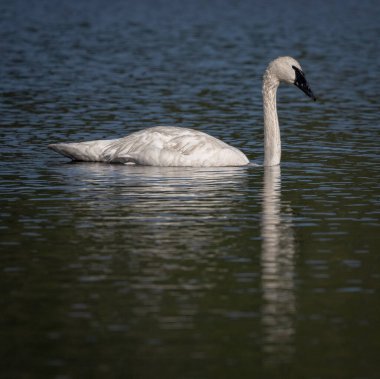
[{"x": 138, "y": 272}]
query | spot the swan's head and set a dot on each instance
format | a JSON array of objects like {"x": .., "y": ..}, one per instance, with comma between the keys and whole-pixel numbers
[{"x": 288, "y": 70}]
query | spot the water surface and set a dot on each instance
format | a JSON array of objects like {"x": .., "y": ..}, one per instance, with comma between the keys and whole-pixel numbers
[{"x": 141, "y": 272}]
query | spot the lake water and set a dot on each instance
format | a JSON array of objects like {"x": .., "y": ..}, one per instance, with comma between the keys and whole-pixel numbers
[{"x": 111, "y": 271}]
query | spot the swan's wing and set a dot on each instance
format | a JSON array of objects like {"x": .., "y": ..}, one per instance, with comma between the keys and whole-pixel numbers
[{"x": 172, "y": 146}]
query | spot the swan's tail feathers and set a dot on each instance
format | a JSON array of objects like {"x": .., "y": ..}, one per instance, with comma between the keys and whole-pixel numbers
[
  {"x": 92, "y": 151},
  {"x": 66, "y": 149}
]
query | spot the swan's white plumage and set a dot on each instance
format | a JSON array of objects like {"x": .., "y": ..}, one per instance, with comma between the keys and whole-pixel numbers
[
  {"x": 173, "y": 146},
  {"x": 157, "y": 146}
]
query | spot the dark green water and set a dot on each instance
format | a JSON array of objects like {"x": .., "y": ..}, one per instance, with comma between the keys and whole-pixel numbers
[{"x": 110, "y": 271}]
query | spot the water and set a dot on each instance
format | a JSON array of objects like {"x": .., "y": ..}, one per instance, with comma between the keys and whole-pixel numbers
[{"x": 140, "y": 272}]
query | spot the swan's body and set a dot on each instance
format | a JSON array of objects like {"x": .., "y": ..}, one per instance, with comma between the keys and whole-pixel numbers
[
  {"x": 157, "y": 146},
  {"x": 173, "y": 146}
]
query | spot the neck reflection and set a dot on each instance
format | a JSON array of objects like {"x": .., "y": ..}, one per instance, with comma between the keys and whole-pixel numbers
[{"x": 277, "y": 273}]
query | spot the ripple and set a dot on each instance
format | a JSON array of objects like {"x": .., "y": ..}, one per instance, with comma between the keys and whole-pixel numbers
[{"x": 229, "y": 270}]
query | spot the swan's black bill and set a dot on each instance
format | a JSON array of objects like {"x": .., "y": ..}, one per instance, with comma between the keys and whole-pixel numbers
[{"x": 302, "y": 83}]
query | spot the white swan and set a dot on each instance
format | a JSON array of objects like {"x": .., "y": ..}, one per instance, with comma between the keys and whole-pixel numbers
[{"x": 173, "y": 146}]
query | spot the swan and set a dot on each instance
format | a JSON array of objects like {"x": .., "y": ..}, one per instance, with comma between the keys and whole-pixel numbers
[{"x": 174, "y": 146}]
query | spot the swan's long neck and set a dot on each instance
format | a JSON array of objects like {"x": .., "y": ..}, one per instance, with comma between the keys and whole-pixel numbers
[{"x": 272, "y": 139}]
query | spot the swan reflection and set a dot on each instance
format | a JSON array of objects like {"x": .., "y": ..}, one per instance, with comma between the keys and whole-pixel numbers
[
  {"x": 160, "y": 182},
  {"x": 156, "y": 197},
  {"x": 277, "y": 271},
  {"x": 160, "y": 222}
]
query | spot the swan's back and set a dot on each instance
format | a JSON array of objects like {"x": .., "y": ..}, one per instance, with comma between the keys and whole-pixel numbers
[{"x": 157, "y": 146}]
